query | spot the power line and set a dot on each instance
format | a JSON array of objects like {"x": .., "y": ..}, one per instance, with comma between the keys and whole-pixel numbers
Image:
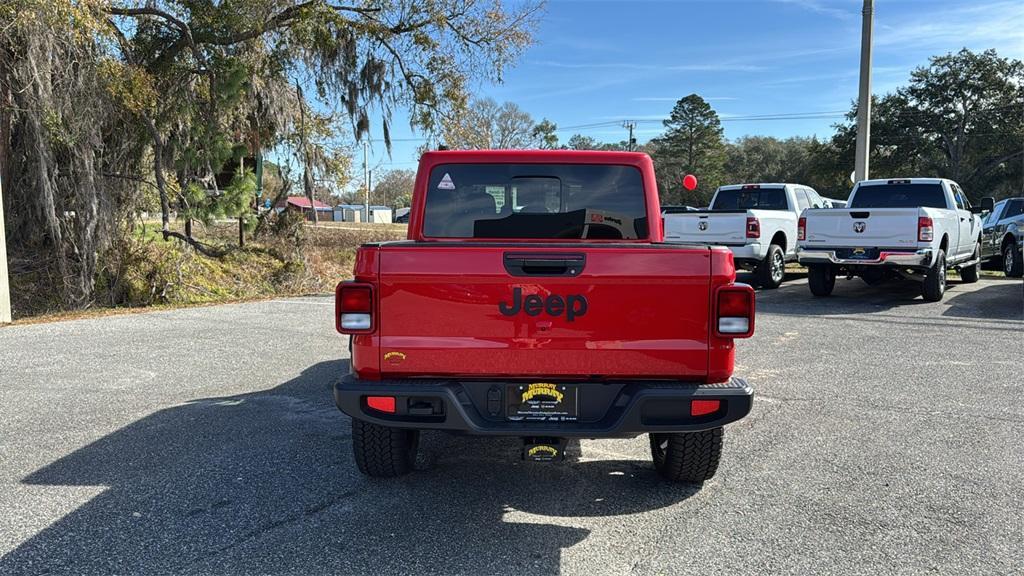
[
  {"x": 631, "y": 141},
  {"x": 768, "y": 117}
]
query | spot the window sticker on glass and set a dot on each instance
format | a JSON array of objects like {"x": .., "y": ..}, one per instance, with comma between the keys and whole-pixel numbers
[{"x": 446, "y": 183}]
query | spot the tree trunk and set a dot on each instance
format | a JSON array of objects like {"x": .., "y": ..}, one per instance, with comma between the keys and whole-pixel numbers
[
  {"x": 158, "y": 168},
  {"x": 6, "y": 104},
  {"x": 307, "y": 177}
]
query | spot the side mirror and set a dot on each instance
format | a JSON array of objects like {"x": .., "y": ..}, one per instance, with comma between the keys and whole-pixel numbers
[{"x": 988, "y": 204}]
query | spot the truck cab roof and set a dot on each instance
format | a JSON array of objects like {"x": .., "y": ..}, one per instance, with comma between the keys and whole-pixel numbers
[
  {"x": 757, "y": 184},
  {"x": 531, "y": 156},
  {"x": 885, "y": 181}
]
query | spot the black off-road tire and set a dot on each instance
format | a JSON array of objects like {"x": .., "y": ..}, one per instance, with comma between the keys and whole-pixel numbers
[
  {"x": 821, "y": 278},
  {"x": 934, "y": 285},
  {"x": 687, "y": 456},
  {"x": 772, "y": 270},
  {"x": 970, "y": 274},
  {"x": 382, "y": 451},
  {"x": 1013, "y": 264}
]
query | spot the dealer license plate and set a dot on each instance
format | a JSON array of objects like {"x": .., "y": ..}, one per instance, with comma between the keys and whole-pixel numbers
[{"x": 542, "y": 402}]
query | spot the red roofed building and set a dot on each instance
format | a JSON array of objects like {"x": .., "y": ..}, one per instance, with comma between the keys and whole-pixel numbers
[{"x": 301, "y": 203}]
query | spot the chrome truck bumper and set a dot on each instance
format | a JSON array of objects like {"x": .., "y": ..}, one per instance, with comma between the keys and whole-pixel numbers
[{"x": 893, "y": 258}]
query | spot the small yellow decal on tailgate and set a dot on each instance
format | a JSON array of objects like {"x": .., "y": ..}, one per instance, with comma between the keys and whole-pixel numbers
[
  {"x": 394, "y": 357},
  {"x": 542, "y": 389}
]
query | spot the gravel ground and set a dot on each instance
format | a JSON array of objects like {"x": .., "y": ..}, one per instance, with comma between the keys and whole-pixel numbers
[{"x": 885, "y": 439}]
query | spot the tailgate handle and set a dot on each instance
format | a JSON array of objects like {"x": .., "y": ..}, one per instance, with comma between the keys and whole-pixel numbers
[
  {"x": 522, "y": 264},
  {"x": 860, "y": 215}
]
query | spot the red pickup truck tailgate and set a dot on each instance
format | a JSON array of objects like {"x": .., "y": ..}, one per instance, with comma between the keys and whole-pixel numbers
[{"x": 626, "y": 310}]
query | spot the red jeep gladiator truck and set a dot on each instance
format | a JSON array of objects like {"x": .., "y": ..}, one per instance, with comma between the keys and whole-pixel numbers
[{"x": 534, "y": 297}]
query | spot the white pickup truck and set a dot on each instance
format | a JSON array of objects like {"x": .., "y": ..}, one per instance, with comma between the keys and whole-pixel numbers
[
  {"x": 914, "y": 227},
  {"x": 756, "y": 221}
]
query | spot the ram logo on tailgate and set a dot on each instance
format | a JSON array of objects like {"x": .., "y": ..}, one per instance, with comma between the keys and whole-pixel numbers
[{"x": 573, "y": 305}]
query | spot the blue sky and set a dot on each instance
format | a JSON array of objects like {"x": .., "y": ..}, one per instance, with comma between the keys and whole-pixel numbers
[{"x": 609, "y": 61}]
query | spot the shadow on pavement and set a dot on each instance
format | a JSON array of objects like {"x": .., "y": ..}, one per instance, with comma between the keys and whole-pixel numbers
[
  {"x": 751, "y": 278},
  {"x": 853, "y": 296},
  {"x": 1000, "y": 299},
  {"x": 265, "y": 483}
]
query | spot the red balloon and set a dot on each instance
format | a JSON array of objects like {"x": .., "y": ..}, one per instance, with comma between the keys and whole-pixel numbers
[{"x": 690, "y": 182}]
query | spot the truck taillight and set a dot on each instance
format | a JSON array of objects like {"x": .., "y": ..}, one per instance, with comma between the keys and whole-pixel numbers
[
  {"x": 753, "y": 227},
  {"x": 353, "y": 308},
  {"x": 801, "y": 229},
  {"x": 734, "y": 311},
  {"x": 925, "y": 229}
]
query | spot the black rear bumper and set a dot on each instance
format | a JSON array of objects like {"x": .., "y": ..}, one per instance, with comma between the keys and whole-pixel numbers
[{"x": 606, "y": 409}]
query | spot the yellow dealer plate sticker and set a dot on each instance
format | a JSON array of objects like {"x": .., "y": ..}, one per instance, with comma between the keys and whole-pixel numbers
[{"x": 542, "y": 402}]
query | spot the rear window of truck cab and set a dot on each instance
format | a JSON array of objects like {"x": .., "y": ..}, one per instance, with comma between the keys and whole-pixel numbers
[
  {"x": 750, "y": 199},
  {"x": 899, "y": 196},
  {"x": 537, "y": 201}
]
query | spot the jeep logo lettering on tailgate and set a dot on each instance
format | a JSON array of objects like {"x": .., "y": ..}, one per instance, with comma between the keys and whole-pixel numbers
[{"x": 573, "y": 306}]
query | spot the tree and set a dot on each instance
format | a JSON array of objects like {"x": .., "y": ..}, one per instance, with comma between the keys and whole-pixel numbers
[
  {"x": 693, "y": 143},
  {"x": 394, "y": 189},
  {"x": 768, "y": 159},
  {"x": 581, "y": 142},
  {"x": 487, "y": 125},
  {"x": 545, "y": 135},
  {"x": 961, "y": 117},
  {"x": 978, "y": 125},
  {"x": 99, "y": 98},
  {"x": 755, "y": 159}
]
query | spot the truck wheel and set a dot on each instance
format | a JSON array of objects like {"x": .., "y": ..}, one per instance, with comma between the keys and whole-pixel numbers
[
  {"x": 821, "y": 278},
  {"x": 934, "y": 285},
  {"x": 382, "y": 451},
  {"x": 1013, "y": 265},
  {"x": 971, "y": 273},
  {"x": 687, "y": 456},
  {"x": 772, "y": 270}
]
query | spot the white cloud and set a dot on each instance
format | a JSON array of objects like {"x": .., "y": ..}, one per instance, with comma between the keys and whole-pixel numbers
[
  {"x": 635, "y": 117},
  {"x": 702, "y": 67},
  {"x": 676, "y": 98},
  {"x": 979, "y": 26},
  {"x": 812, "y": 78},
  {"x": 849, "y": 11}
]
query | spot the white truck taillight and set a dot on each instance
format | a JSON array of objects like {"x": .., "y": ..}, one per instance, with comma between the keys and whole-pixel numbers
[
  {"x": 801, "y": 229},
  {"x": 353, "y": 308},
  {"x": 753, "y": 227},
  {"x": 734, "y": 311},
  {"x": 925, "y": 229}
]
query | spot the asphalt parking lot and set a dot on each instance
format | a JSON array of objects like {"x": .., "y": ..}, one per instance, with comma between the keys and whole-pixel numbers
[{"x": 885, "y": 439}]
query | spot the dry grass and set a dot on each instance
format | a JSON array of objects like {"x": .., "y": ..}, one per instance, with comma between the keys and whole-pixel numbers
[{"x": 148, "y": 272}]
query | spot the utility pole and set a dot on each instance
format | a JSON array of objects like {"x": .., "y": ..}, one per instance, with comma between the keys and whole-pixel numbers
[
  {"x": 5, "y": 287},
  {"x": 864, "y": 100},
  {"x": 366, "y": 184},
  {"x": 630, "y": 125}
]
